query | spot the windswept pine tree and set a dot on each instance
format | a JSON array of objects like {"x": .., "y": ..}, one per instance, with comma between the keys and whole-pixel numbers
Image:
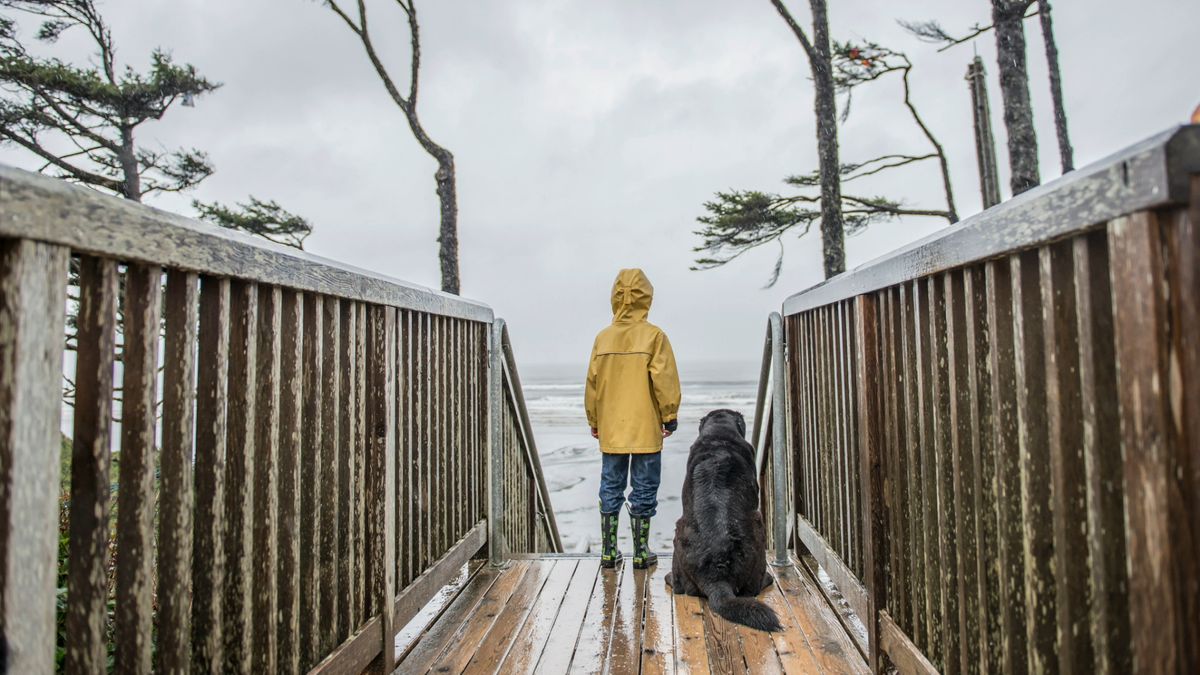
[
  {"x": 740, "y": 220},
  {"x": 82, "y": 122}
]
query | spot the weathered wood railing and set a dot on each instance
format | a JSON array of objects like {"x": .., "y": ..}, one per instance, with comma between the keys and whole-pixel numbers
[
  {"x": 315, "y": 468},
  {"x": 995, "y": 432},
  {"x": 525, "y": 520}
]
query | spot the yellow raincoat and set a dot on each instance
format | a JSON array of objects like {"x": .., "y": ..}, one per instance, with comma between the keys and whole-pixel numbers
[{"x": 632, "y": 383}]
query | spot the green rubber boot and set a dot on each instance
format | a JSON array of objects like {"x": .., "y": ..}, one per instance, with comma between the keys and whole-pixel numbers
[
  {"x": 643, "y": 557},
  {"x": 610, "y": 555}
]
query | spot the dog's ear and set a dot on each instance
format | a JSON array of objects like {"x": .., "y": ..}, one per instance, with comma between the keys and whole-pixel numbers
[{"x": 741, "y": 425}]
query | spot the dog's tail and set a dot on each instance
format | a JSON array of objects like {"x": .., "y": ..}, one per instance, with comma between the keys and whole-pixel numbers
[{"x": 746, "y": 611}]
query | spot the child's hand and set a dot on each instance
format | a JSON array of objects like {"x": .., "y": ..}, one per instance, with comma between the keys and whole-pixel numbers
[
  {"x": 595, "y": 432},
  {"x": 669, "y": 428},
  {"x": 666, "y": 434}
]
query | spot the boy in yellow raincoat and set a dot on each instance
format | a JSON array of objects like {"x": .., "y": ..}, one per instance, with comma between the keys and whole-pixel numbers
[{"x": 632, "y": 403}]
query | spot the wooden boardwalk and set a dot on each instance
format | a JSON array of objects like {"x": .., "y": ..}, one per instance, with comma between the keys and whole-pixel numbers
[{"x": 558, "y": 614}]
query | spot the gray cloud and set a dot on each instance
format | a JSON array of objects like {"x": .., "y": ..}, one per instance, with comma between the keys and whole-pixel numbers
[{"x": 587, "y": 135}]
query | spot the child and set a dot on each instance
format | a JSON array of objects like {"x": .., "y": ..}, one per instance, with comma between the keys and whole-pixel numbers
[{"x": 632, "y": 402}]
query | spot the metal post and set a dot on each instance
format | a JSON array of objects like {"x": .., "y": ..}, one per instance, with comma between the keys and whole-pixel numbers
[
  {"x": 779, "y": 445},
  {"x": 497, "y": 553}
]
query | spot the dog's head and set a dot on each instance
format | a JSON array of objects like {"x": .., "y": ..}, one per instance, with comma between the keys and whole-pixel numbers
[{"x": 725, "y": 418}]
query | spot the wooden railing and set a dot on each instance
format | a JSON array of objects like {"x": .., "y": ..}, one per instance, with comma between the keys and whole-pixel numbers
[
  {"x": 275, "y": 460},
  {"x": 525, "y": 521},
  {"x": 995, "y": 432}
]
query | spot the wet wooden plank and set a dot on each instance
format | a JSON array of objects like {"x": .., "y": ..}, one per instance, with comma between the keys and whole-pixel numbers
[
  {"x": 1033, "y": 441},
  {"x": 434, "y": 641},
  {"x": 135, "y": 499},
  {"x": 758, "y": 651},
  {"x": 1010, "y": 557},
  {"x": 658, "y": 634},
  {"x": 470, "y": 636},
  {"x": 311, "y": 478},
  {"x": 174, "y": 594},
  {"x": 625, "y": 646},
  {"x": 526, "y": 647},
  {"x": 292, "y": 529},
  {"x": 208, "y": 545},
  {"x": 721, "y": 641},
  {"x": 691, "y": 654},
  {"x": 33, "y": 280},
  {"x": 1156, "y": 509},
  {"x": 832, "y": 647},
  {"x": 502, "y": 633},
  {"x": 591, "y": 651},
  {"x": 239, "y": 466},
  {"x": 560, "y": 644},
  {"x": 331, "y": 398},
  {"x": 266, "y": 484},
  {"x": 87, "y": 562},
  {"x": 794, "y": 647},
  {"x": 1068, "y": 484}
]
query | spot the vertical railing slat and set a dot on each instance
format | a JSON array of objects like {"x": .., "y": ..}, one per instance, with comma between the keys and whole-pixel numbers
[
  {"x": 381, "y": 486},
  {"x": 1068, "y": 484},
  {"x": 175, "y": 504},
  {"x": 943, "y": 461},
  {"x": 311, "y": 479},
  {"x": 331, "y": 407},
  {"x": 1101, "y": 448},
  {"x": 87, "y": 584},
  {"x": 869, "y": 375},
  {"x": 292, "y": 529},
  {"x": 135, "y": 498},
  {"x": 266, "y": 483},
  {"x": 208, "y": 547},
  {"x": 239, "y": 485},
  {"x": 1162, "y": 575},
  {"x": 33, "y": 279},
  {"x": 1033, "y": 442}
]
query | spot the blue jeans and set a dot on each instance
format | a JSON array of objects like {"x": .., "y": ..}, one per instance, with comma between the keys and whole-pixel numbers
[{"x": 642, "y": 471}]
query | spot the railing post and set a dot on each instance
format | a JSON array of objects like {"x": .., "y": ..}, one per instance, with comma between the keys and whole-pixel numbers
[
  {"x": 496, "y": 546},
  {"x": 866, "y": 334},
  {"x": 381, "y": 479},
  {"x": 33, "y": 282},
  {"x": 780, "y": 512}
]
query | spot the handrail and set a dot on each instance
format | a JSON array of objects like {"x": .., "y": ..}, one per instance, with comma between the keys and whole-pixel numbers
[
  {"x": 989, "y": 428},
  {"x": 505, "y": 384},
  {"x": 516, "y": 396},
  {"x": 774, "y": 408},
  {"x": 315, "y": 443},
  {"x": 53, "y": 211},
  {"x": 1151, "y": 174}
]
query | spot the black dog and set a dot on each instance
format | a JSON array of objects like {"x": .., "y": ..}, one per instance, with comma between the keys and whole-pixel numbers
[{"x": 720, "y": 542}]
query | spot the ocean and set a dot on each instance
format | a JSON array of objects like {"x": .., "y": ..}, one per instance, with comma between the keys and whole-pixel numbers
[{"x": 571, "y": 457}]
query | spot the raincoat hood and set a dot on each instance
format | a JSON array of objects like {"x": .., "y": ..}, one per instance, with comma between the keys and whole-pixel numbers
[{"x": 631, "y": 296}]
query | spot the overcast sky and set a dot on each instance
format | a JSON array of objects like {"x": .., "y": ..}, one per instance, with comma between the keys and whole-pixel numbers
[{"x": 588, "y": 134}]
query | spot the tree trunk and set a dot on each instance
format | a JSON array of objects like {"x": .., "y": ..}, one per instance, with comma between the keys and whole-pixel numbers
[
  {"x": 833, "y": 238},
  {"x": 131, "y": 185},
  {"x": 1008, "y": 18},
  {"x": 447, "y": 191},
  {"x": 1060, "y": 114}
]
